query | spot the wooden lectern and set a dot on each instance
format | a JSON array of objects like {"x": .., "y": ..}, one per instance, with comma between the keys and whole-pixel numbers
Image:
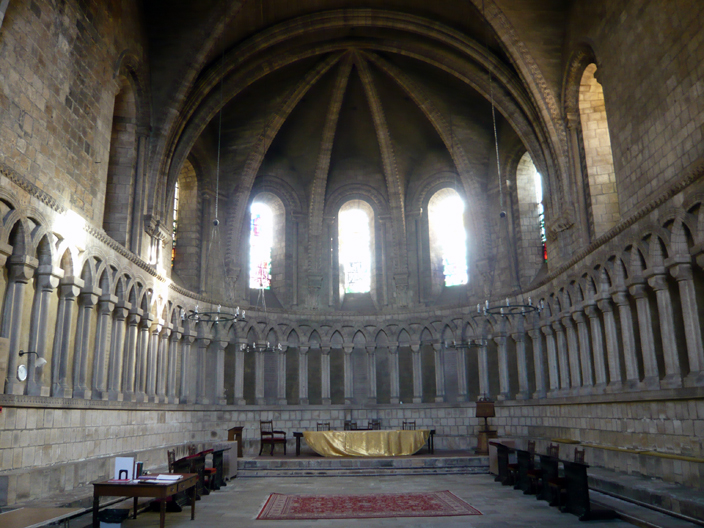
[{"x": 485, "y": 409}]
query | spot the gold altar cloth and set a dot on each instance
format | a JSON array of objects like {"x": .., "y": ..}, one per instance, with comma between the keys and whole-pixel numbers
[{"x": 366, "y": 443}]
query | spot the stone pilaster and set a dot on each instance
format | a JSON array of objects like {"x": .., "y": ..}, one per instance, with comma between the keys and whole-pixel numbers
[
  {"x": 572, "y": 353},
  {"x": 562, "y": 355},
  {"x": 673, "y": 371},
  {"x": 202, "y": 344},
  {"x": 417, "y": 374},
  {"x": 106, "y": 304},
  {"x": 162, "y": 363},
  {"x": 185, "y": 395},
  {"x": 47, "y": 279},
  {"x": 553, "y": 367},
  {"x": 371, "y": 374},
  {"x": 349, "y": 374},
  {"x": 538, "y": 363},
  {"x": 647, "y": 340},
  {"x": 504, "y": 380},
  {"x": 151, "y": 363},
  {"x": 69, "y": 288},
  {"x": 522, "y": 362},
  {"x": 141, "y": 354},
  {"x": 20, "y": 271},
  {"x": 325, "y": 375},
  {"x": 87, "y": 301},
  {"x": 585, "y": 357},
  {"x": 682, "y": 272},
  {"x": 439, "y": 356},
  {"x": 394, "y": 383},
  {"x": 483, "y": 368},
  {"x": 117, "y": 348},
  {"x": 597, "y": 346},
  {"x": 259, "y": 359},
  {"x": 611, "y": 338},
  {"x": 303, "y": 375},
  {"x": 628, "y": 339},
  {"x": 281, "y": 376}
]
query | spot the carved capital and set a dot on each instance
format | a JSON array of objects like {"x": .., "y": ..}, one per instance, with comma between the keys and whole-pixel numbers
[
  {"x": 605, "y": 305},
  {"x": 681, "y": 272},
  {"x": 21, "y": 268},
  {"x": 658, "y": 282}
]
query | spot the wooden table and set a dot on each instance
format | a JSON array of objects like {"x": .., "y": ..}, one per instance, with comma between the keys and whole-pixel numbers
[
  {"x": 138, "y": 489},
  {"x": 36, "y": 517},
  {"x": 374, "y": 443}
]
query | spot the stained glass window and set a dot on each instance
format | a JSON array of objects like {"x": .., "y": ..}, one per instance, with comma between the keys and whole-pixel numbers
[
  {"x": 261, "y": 239},
  {"x": 175, "y": 226},
  {"x": 446, "y": 217},
  {"x": 541, "y": 212},
  {"x": 355, "y": 250}
]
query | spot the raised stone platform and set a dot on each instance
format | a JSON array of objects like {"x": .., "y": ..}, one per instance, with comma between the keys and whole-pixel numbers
[{"x": 313, "y": 465}]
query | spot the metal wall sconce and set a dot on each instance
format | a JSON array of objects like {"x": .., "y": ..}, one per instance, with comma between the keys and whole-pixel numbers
[{"x": 22, "y": 369}]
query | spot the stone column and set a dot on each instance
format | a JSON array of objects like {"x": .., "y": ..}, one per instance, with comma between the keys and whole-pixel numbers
[
  {"x": 69, "y": 288},
  {"x": 46, "y": 281},
  {"x": 573, "y": 353},
  {"x": 504, "y": 381},
  {"x": 117, "y": 347},
  {"x": 151, "y": 363},
  {"x": 673, "y": 372},
  {"x": 130, "y": 355},
  {"x": 620, "y": 297},
  {"x": 523, "y": 384},
  {"x": 462, "y": 393},
  {"x": 259, "y": 373},
  {"x": 202, "y": 344},
  {"x": 281, "y": 378},
  {"x": 553, "y": 367},
  {"x": 303, "y": 375},
  {"x": 647, "y": 339},
  {"x": 611, "y": 338},
  {"x": 394, "y": 385},
  {"x": 417, "y": 374},
  {"x": 349, "y": 375},
  {"x": 162, "y": 362},
  {"x": 439, "y": 372},
  {"x": 371, "y": 374},
  {"x": 106, "y": 304},
  {"x": 692, "y": 329},
  {"x": 20, "y": 271},
  {"x": 87, "y": 301},
  {"x": 585, "y": 357},
  {"x": 218, "y": 367},
  {"x": 239, "y": 372},
  {"x": 141, "y": 353},
  {"x": 172, "y": 374},
  {"x": 562, "y": 360},
  {"x": 325, "y": 375},
  {"x": 483, "y": 367},
  {"x": 538, "y": 363},
  {"x": 185, "y": 395},
  {"x": 597, "y": 346}
]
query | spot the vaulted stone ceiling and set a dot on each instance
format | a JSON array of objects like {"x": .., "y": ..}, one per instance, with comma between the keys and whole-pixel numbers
[{"x": 316, "y": 93}]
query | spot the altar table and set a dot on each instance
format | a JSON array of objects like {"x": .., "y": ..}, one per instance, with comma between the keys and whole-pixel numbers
[{"x": 366, "y": 443}]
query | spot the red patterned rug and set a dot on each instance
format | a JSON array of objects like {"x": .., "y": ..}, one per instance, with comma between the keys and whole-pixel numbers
[{"x": 432, "y": 504}]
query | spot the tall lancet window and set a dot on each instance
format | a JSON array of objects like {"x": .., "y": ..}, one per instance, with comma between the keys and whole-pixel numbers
[
  {"x": 261, "y": 240},
  {"x": 355, "y": 246},
  {"x": 448, "y": 236},
  {"x": 174, "y": 232},
  {"x": 541, "y": 212}
]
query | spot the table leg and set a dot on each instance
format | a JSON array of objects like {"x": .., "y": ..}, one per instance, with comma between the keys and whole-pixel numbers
[
  {"x": 298, "y": 446},
  {"x": 135, "y": 508},
  {"x": 193, "y": 503},
  {"x": 96, "y": 507},
  {"x": 162, "y": 513}
]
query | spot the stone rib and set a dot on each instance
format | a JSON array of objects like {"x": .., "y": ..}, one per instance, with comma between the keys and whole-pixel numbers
[
  {"x": 393, "y": 182},
  {"x": 317, "y": 194},
  {"x": 239, "y": 198}
]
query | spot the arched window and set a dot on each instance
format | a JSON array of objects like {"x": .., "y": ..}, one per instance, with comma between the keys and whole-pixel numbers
[
  {"x": 355, "y": 236},
  {"x": 117, "y": 213},
  {"x": 603, "y": 206},
  {"x": 174, "y": 231},
  {"x": 448, "y": 238},
  {"x": 532, "y": 244},
  {"x": 261, "y": 240}
]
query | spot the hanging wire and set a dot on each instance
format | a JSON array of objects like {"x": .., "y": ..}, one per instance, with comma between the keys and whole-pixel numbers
[{"x": 217, "y": 169}]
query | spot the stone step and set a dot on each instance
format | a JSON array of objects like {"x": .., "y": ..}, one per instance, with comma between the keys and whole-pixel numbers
[{"x": 363, "y": 467}]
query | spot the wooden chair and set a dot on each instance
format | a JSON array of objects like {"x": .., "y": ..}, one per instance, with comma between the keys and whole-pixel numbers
[
  {"x": 350, "y": 425},
  {"x": 558, "y": 485},
  {"x": 535, "y": 475},
  {"x": 271, "y": 437},
  {"x": 323, "y": 426},
  {"x": 375, "y": 425},
  {"x": 513, "y": 468},
  {"x": 409, "y": 426},
  {"x": 171, "y": 456}
]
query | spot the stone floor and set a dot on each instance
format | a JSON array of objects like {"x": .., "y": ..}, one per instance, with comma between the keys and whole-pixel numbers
[{"x": 238, "y": 504}]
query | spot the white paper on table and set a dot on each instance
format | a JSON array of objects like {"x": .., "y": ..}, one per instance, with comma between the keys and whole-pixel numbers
[
  {"x": 168, "y": 477},
  {"x": 124, "y": 468}
]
